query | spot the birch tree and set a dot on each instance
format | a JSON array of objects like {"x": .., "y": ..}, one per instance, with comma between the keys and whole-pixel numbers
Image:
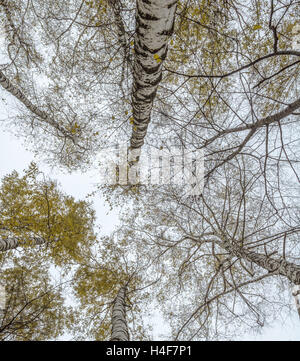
[
  {"x": 228, "y": 260},
  {"x": 242, "y": 232},
  {"x": 296, "y": 292},
  {"x": 35, "y": 212},
  {"x": 221, "y": 76},
  {"x": 154, "y": 25},
  {"x": 34, "y": 307},
  {"x": 93, "y": 56},
  {"x": 119, "y": 331},
  {"x": 111, "y": 288}
]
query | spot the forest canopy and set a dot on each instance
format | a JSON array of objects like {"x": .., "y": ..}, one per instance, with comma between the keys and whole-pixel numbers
[{"x": 80, "y": 77}]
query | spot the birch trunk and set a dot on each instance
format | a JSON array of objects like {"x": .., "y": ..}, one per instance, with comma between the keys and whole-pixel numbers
[
  {"x": 5, "y": 5},
  {"x": 12, "y": 242},
  {"x": 154, "y": 25},
  {"x": 275, "y": 265},
  {"x": 2, "y": 301},
  {"x": 7, "y": 85},
  {"x": 296, "y": 294},
  {"x": 119, "y": 325},
  {"x": 116, "y": 7}
]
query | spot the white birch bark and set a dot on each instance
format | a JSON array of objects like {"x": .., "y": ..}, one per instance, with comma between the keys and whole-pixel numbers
[
  {"x": 7, "y": 85},
  {"x": 14, "y": 242},
  {"x": 296, "y": 294},
  {"x": 275, "y": 265},
  {"x": 2, "y": 301},
  {"x": 154, "y": 25},
  {"x": 116, "y": 7},
  {"x": 5, "y": 5},
  {"x": 119, "y": 325}
]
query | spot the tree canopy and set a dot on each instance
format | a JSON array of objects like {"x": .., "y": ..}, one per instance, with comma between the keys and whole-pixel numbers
[{"x": 218, "y": 76}]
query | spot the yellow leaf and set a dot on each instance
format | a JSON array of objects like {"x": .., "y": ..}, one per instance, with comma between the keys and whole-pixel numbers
[{"x": 257, "y": 26}]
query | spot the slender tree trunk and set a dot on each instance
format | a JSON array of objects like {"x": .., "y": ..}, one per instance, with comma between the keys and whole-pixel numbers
[
  {"x": 5, "y": 5},
  {"x": 154, "y": 25},
  {"x": 14, "y": 242},
  {"x": 275, "y": 265},
  {"x": 2, "y": 301},
  {"x": 116, "y": 7},
  {"x": 7, "y": 85},
  {"x": 296, "y": 294},
  {"x": 119, "y": 325}
]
